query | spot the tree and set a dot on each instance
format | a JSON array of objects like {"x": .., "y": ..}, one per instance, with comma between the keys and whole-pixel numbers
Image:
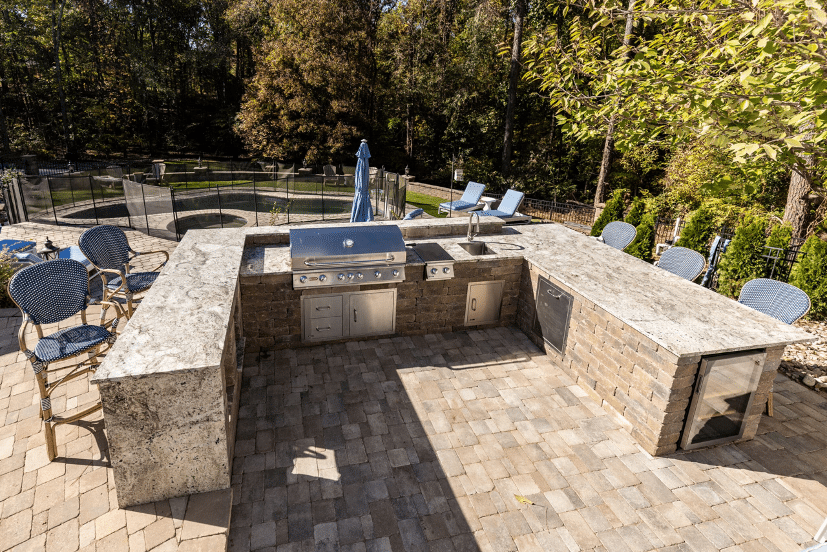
[
  {"x": 513, "y": 76},
  {"x": 698, "y": 230},
  {"x": 636, "y": 211},
  {"x": 746, "y": 76}
]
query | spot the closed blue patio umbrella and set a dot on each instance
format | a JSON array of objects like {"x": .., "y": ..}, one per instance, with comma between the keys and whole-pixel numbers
[{"x": 362, "y": 211}]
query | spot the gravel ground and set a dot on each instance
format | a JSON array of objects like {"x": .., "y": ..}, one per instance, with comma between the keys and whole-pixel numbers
[{"x": 807, "y": 362}]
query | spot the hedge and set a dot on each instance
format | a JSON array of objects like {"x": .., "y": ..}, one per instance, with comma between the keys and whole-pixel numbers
[
  {"x": 698, "y": 231},
  {"x": 810, "y": 275},
  {"x": 636, "y": 212},
  {"x": 644, "y": 242},
  {"x": 612, "y": 212},
  {"x": 742, "y": 261}
]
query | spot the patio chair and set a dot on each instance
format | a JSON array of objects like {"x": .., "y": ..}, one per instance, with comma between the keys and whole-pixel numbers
[
  {"x": 48, "y": 293},
  {"x": 683, "y": 262},
  {"x": 470, "y": 198},
  {"x": 618, "y": 234},
  {"x": 108, "y": 249},
  {"x": 330, "y": 174},
  {"x": 782, "y": 301},
  {"x": 508, "y": 206}
]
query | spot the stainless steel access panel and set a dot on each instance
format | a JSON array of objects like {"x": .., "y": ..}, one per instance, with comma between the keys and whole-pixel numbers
[{"x": 553, "y": 314}]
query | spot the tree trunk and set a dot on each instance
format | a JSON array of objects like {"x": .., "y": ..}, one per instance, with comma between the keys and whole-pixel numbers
[
  {"x": 57, "y": 19},
  {"x": 513, "y": 76},
  {"x": 797, "y": 207},
  {"x": 608, "y": 146},
  {"x": 4, "y": 133}
]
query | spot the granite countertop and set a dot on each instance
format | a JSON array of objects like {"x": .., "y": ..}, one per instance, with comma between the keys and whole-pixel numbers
[{"x": 182, "y": 322}]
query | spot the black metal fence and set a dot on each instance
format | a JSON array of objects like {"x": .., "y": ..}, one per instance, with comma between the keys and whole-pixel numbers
[
  {"x": 575, "y": 213},
  {"x": 167, "y": 199}
]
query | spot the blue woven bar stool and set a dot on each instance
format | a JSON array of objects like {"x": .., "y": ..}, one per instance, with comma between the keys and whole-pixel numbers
[
  {"x": 782, "y": 301},
  {"x": 108, "y": 249},
  {"x": 47, "y": 293},
  {"x": 618, "y": 234},
  {"x": 683, "y": 262}
]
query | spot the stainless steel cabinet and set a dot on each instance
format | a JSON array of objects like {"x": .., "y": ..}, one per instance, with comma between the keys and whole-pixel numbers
[
  {"x": 372, "y": 312},
  {"x": 483, "y": 303},
  {"x": 355, "y": 314}
]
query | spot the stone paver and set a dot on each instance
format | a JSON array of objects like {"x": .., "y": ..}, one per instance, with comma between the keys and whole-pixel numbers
[
  {"x": 69, "y": 504},
  {"x": 476, "y": 441}
]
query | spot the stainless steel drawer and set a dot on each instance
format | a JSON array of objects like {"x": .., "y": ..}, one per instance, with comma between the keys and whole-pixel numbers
[
  {"x": 324, "y": 306},
  {"x": 323, "y": 328}
]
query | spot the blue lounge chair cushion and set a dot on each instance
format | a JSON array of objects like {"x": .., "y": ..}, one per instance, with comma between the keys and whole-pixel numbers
[
  {"x": 470, "y": 198},
  {"x": 70, "y": 341},
  {"x": 508, "y": 206},
  {"x": 74, "y": 252},
  {"x": 413, "y": 214},
  {"x": 16, "y": 245},
  {"x": 135, "y": 282}
]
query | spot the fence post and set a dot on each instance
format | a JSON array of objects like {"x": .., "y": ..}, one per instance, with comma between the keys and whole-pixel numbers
[
  {"x": 255, "y": 197},
  {"x": 220, "y": 215},
  {"x": 52, "y": 199},
  {"x": 146, "y": 216},
  {"x": 94, "y": 205}
]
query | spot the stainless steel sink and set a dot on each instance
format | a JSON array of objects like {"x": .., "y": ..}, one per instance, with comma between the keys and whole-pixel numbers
[{"x": 476, "y": 248}]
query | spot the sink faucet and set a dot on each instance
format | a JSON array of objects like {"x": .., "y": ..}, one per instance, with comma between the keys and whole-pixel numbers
[{"x": 471, "y": 232}]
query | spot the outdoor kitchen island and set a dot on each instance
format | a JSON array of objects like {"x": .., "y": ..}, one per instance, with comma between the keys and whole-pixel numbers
[{"x": 632, "y": 336}]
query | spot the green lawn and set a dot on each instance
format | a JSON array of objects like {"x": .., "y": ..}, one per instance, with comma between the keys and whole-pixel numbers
[{"x": 429, "y": 203}]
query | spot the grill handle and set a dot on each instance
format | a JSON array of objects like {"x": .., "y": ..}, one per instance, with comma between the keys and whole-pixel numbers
[{"x": 388, "y": 259}]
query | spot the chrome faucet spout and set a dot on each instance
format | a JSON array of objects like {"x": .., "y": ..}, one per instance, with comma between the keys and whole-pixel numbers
[{"x": 472, "y": 233}]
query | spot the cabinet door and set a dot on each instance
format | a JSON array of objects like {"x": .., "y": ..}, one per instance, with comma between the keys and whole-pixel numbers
[
  {"x": 483, "y": 305},
  {"x": 372, "y": 312}
]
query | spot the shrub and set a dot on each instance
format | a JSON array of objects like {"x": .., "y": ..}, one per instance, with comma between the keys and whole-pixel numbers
[
  {"x": 810, "y": 275},
  {"x": 644, "y": 242},
  {"x": 636, "y": 212},
  {"x": 698, "y": 230},
  {"x": 6, "y": 272},
  {"x": 780, "y": 236},
  {"x": 612, "y": 212},
  {"x": 743, "y": 261}
]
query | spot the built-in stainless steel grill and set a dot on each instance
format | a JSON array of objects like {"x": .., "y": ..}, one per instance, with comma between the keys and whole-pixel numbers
[{"x": 340, "y": 256}]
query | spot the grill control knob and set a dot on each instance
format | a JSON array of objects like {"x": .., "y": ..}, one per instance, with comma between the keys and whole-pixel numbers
[
  {"x": 350, "y": 275},
  {"x": 377, "y": 274},
  {"x": 340, "y": 276},
  {"x": 322, "y": 278},
  {"x": 434, "y": 271},
  {"x": 446, "y": 270},
  {"x": 359, "y": 275},
  {"x": 395, "y": 273},
  {"x": 302, "y": 279}
]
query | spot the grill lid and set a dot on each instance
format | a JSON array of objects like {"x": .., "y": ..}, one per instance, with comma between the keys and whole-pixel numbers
[{"x": 311, "y": 247}]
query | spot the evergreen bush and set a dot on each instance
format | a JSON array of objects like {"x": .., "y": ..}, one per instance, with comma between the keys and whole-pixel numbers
[
  {"x": 810, "y": 275},
  {"x": 698, "y": 231},
  {"x": 7, "y": 270},
  {"x": 780, "y": 236},
  {"x": 644, "y": 242},
  {"x": 743, "y": 261},
  {"x": 636, "y": 212},
  {"x": 612, "y": 212}
]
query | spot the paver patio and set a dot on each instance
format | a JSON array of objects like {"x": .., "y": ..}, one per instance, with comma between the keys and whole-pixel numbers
[
  {"x": 419, "y": 443},
  {"x": 427, "y": 443}
]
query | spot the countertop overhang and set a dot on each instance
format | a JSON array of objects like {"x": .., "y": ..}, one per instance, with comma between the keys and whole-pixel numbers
[{"x": 183, "y": 320}]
